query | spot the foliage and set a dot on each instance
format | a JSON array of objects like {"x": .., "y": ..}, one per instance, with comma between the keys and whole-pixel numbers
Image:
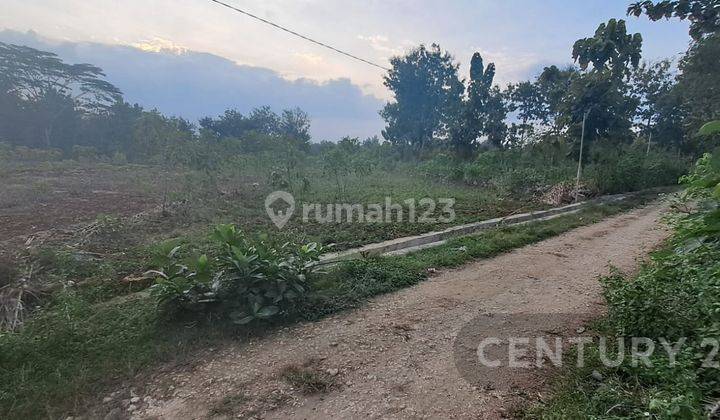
[
  {"x": 713, "y": 127},
  {"x": 704, "y": 15},
  {"x": 292, "y": 124},
  {"x": 427, "y": 92},
  {"x": 611, "y": 48},
  {"x": 674, "y": 297},
  {"x": 246, "y": 281},
  {"x": 471, "y": 120},
  {"x": 44, "y": 92},
  {"x": 659, "y": 114},
  {"x": 697, "y": 89}
]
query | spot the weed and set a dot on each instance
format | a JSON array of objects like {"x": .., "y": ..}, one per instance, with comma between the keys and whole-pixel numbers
[
  {"x": 76, "y": 346},
  {"x": 226, "y": 406},
  {"x": 674, "y": 297},
  {"x": 308, "y": 378}
]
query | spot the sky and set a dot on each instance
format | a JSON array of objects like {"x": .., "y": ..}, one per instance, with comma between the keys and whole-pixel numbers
[{"x": 520, "y": 36}]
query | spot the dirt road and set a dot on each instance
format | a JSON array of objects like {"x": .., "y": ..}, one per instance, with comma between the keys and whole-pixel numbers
[{"x": 397, "y": 357}]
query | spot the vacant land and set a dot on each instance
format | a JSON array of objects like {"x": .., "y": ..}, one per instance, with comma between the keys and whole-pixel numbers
[
  {"x": 54, "y": 202},
  {"x": 394, "y": 357}
]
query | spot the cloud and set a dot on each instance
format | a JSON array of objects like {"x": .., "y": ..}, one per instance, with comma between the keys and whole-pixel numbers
[
  {"x": 309, "y": 58},
  {"x": 194, "y": 85},
  {"x": 158, "y": 44},
  {"x": 383, "y": 45},
  {"x": 511, "y": 66}
]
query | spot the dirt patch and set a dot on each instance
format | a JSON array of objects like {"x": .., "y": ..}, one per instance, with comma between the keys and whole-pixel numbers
[
  {"x": 41, "y": 199},
  {"x": 396, "y": 357}
]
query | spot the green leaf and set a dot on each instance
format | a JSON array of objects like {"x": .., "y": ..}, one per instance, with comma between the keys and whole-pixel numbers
[
  {"x": 243, "y": 321},
  {"x": 267, "y": 311},
  {"x": 713, "y": 127}
]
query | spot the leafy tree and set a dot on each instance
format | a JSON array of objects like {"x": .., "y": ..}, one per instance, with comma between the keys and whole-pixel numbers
[
  {"x": 470, "y": 121},
  {"x": 704, "y": 15},
  {"x": 496, "y": 113},
  {"x": 50, "y": 90},
  {"x": 294, "y": 124},
  {"x": 601, "y": 95},
  {"x": 699, "y": 85},
  {"x": 428, "y": 95},
  {"x": 659, "y": 112},
  {"x": 526, "y": 98},
  {"x": 611, "y": 48},
  {"x": 604, "y": 100},
  {"x": 553, "y": 84}
]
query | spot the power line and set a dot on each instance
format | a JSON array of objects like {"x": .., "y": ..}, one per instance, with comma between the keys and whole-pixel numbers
[{"x": 299, "y": 35}]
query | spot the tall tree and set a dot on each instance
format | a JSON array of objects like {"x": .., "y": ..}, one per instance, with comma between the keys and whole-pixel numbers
[
  {"x": 659, "y": 112},
  {"x": 496, "y": 111},
  {"x": 600, "y": 95},
  {"x": 699, "y": 84},
  {"x": 52, "y": 89},
  {"x": 428, "y": 95},
  {"x": 704, "y": 15},
  {"x": 611, "y": 48},
  {"x": 526, "y": 98},
  {"x": 553, "y": 84},
  {"x": 471, "y": 121}
]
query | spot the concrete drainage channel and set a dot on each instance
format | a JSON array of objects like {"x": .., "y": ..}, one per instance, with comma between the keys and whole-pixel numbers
[{"x": 410, "y": 244}]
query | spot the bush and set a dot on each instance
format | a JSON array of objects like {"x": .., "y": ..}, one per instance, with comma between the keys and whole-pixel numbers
[
  {"x": 674, "y": 297},
  {"x": 631, "y": 168},
  {"x": 246, "y": 281}
]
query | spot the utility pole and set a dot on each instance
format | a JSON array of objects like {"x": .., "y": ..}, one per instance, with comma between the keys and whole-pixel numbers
[
  {"x": 647, "y": 152},
  {"x": 582, "y": 144}
]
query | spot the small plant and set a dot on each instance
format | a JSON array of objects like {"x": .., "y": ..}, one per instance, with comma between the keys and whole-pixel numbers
[
  {"x": 307, "y": 377},
  {"x": 246, "y": 281}
]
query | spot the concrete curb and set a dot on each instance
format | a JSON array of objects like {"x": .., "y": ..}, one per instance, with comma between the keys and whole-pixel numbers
[{"x": 430, "y": 239}]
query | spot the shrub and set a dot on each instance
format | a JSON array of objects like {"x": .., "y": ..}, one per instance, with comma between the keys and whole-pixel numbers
[
  {"x": 674, "y": 297},
  {"x": 246, "y": 281}
]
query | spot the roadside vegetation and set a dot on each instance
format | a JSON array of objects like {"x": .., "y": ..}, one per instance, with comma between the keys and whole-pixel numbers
[
  {"x": 673, "y": 298},
  {"x": 84, "y": 339},
  {"x": 129, "y": 238}
]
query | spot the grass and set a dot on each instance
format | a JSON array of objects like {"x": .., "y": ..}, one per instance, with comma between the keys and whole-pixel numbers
[
  {"x": 354, "y": 281},
  {"x": 77, "y": 346},
  {"x": 308, "y": 378}
]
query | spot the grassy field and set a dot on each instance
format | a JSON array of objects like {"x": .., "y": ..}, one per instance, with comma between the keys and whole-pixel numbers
[{"x": 78, "y": 236}]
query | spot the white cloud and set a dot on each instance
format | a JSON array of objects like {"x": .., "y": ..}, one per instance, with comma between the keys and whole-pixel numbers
[{"x": 158, "y": 44}]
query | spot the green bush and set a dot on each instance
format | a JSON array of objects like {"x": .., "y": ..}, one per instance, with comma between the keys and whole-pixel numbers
[
  {"x": 631, "y": 168},
  {"x": 246, "y": 281},
  {"x": 674, "y": 297}
]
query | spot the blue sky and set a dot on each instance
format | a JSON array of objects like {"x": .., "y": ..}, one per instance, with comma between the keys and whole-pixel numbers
[{"x": 520, "y": 36}]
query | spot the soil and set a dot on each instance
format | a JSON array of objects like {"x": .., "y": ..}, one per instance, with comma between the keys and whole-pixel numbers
[
  {"x": 49, "y": 201},
  {"x": 401, "y": 355}
]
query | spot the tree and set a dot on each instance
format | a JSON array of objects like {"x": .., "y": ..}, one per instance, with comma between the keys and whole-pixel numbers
[
  {"x": 526, "y": 98},
  {"x": 428, "y": 96},
  {"x": 51, "y": 89},
  {"x": 553, "y": 84},
  {"x": 600, "y": 96},
  {"x": 659, "y": 112},
  {"x": 698, "y": 85},
  {"x": 294, "y": 125},
  {"x": 469, "y": 122},
  {"x": 704, "y": 15},
  {"x": 611, "y": 48},
  {"x": 495, "y": 115}
]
